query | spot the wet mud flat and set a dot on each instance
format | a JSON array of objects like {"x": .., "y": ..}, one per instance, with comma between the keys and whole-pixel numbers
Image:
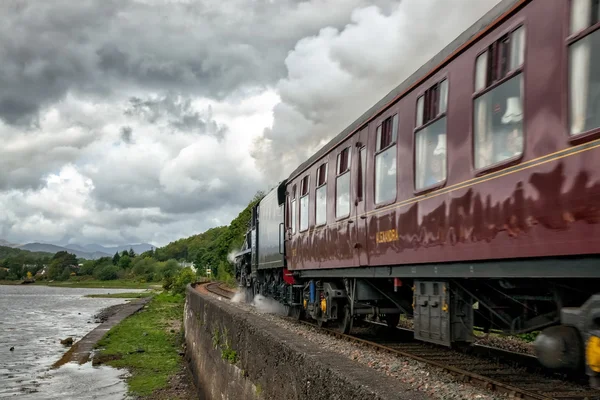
[{"x": 33, "y": 321}]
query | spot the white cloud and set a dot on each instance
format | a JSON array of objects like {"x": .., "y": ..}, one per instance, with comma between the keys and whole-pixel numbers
[
  {"x": 120, "y": 136},
  {"x": 336, "y": 75}
]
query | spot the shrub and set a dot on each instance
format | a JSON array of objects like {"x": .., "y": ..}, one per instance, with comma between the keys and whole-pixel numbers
[
  {"x": 184, "y": 277},
  {"x": 107, "y": 272}
]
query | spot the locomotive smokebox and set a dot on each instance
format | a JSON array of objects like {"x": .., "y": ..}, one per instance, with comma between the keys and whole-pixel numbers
[{"x": 560, "y": 347}]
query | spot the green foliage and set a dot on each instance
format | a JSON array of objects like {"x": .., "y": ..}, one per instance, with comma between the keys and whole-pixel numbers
[
  {"x": 87, "y": 268},
  {"x": 116, "y": 258},
  {"x": 18, "y": 262},
  {"x": 62, "y": 265},
  {"x": 124, "y": 262},
  {"x": 24, "y": 255},
  {"x": 185, "y": 276},
  {"x": 223, "y": 275},
  {"x": 170, "y": 273},
  {"x": 106, "y": 272},
  {"x": 529, "y": 337},
  {"x": 210, "y": 249}
]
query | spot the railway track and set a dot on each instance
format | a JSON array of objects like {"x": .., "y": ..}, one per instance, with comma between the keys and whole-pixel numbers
[
  {"x": 480, "y": 366},
  {"x": 216, "y": 288},
  {"x": 497, "y": 376}
]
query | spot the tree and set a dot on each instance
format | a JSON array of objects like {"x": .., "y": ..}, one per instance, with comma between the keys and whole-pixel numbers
[
  {"x": 124, "y": 253},
  {"x": 60, "y": 265},
  {"x": 116, "y": 258},
  {"x": 131, "y": 253},
  {"x": 124, "y": 262}
]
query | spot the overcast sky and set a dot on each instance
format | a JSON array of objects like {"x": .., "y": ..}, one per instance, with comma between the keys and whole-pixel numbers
[{"x": 151, "y": 120}]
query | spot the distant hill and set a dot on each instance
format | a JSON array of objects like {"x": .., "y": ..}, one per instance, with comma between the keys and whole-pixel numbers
[
  {"x": 92, "y": 248},
  {"x": 7, "y": 251},
  {"x": 6, "y": 244},
  {"x": 50, "y": 248}
]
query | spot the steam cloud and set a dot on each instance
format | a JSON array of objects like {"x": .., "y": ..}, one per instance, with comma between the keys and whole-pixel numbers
[{"x": 335, "y": 76}]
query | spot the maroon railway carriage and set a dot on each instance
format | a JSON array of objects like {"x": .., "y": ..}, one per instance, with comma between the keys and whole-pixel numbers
[{"x": 468, "y": 197}]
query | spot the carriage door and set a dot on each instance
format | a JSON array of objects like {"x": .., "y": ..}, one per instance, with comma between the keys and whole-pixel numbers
[{"x": 360, "y": 174}]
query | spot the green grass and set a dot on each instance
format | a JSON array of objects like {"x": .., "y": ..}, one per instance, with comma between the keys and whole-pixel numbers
[
  {"x": 10, "y": 282},
  {"x": 157, "y": 331},
  {"x": 92, "y": 283},
  {"x": 121, "y": 295}
]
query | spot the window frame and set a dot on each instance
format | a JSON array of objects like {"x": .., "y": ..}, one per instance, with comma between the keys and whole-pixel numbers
[
  {"x": 508, "y": 30},
  {"x": 317, "y": 187},
  {"x": 435, "y": 81},
  {"x": 293, "y": 215},
  {"x": 362, "y": 172},
  {"x": 571, "y": 39},
  {"x": 378, "y": 151},
  {"x": 338, "y": 174},
  {"x": 300, "y": 197}
]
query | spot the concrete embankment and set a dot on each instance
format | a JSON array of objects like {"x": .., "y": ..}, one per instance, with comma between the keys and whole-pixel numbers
[{"x": 236, "y": 355}]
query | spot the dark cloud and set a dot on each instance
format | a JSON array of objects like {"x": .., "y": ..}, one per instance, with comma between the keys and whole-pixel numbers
[
  {"x": 205, "y": 48},
  {"x": 126, "y": 134},
  {"x": 178, "y": 113}
]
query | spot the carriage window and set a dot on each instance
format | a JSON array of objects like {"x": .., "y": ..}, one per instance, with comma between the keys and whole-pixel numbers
[
  {"x": 321, "y": 194},
  {"x": 293, "y": 210},
  {"x": 430, "y": 141},
  {"x": 342, "y": 184},
  {"x": 385, "y": 161},
  {"x": 304, "y": 204},
  {"x": 498, "y": 113},
  {"x": 387, "y": 132},
  {"x": 584, "y": 68},
  {"x": 363, "y": 172}
]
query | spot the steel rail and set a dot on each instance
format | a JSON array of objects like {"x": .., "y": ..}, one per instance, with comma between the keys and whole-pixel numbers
[
  {"x": 545, "y": 388},
  {"x": 553, "y": 389},
  {"x": 216, "y": 288}
]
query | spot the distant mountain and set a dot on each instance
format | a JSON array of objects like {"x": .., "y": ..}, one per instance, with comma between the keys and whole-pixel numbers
[
  {"x": 6, "y": 244},
  {"x": 50, "y": 248},
  {"x": 137, "y": 248}
]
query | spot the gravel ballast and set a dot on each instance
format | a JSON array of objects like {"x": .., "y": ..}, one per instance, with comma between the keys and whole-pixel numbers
[{"x": 432, "y": 381}]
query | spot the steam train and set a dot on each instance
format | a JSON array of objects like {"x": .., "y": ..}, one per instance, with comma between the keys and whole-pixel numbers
[{"x": 467, "y": 197}]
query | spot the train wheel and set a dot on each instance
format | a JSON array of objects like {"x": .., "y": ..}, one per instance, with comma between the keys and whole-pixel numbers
[{"x": 345, "y": 323}]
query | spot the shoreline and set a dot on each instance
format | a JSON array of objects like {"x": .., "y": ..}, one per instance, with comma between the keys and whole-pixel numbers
[
  {"x": 81, "y": 350},
  {"x": 88, "y": 284},
  {"x": 149, "y": 345}
]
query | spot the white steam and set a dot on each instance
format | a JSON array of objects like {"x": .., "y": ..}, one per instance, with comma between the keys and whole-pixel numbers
[
  {"x": 269, "y": 306},
  {"x": 231, "y": 256},
  {"x": 238, "y": 297},
  {"x": 335, "y": 76}
]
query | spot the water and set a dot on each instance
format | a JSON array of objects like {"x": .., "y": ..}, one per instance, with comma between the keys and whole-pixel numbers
[{"x": 33, "y": 319}]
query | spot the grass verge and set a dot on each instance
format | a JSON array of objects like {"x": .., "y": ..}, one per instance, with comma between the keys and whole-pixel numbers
[
  {"x": 92, "y": 283},
  {"x": 121, "y": 295},
  {"x": 147, "y": 344}
]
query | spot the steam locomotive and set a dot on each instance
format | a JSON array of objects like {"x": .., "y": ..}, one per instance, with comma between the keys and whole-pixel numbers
[{"x": 467, "y": 197}]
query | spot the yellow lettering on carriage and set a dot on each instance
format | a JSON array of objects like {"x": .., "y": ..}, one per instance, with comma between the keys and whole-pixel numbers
[{"x": 386, "y": 236}]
